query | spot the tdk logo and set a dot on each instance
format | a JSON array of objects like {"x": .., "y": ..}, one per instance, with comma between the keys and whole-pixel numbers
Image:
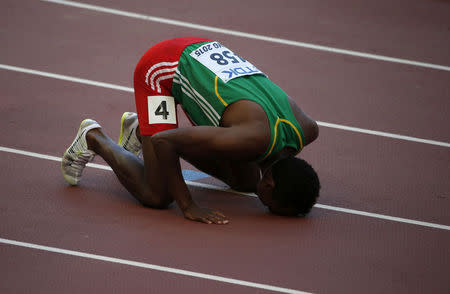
[{"x": 237, "y": 71}]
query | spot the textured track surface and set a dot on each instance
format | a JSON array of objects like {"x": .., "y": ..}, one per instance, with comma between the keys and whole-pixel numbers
[{"x": 327, "y": 252}]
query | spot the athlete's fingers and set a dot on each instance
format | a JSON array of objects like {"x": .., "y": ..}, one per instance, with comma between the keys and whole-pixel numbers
[
  {"x": 217, "y": 219},
  {"x": 223, "y": 218},
  {"x": 219, "y": 213},
  {"x": 205, "y": 220}
]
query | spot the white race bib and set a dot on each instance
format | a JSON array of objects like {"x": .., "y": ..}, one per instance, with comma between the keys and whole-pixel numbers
[
  {"x": 223, "y": 62},
  {"x": 161, "y": 110}
]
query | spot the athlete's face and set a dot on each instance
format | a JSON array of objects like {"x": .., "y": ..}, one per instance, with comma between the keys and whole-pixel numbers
[
  {"x": 264, "y": 193},
  {"x": 265, "y": 190}
]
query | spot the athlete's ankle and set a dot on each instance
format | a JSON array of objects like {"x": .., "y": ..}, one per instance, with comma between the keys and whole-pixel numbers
[{"x": 92, "y": 139}]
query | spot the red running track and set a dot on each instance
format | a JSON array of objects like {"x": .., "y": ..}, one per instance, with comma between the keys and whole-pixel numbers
[{"x": 326, "y": 252}]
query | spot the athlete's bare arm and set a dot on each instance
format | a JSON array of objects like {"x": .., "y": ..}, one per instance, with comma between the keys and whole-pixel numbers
[
  {"x": 244, "y": 139},
  {"x": 199, "y": 142}
]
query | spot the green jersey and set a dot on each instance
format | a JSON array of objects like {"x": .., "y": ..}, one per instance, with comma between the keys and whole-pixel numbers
[{"x": 210, "y": 77}]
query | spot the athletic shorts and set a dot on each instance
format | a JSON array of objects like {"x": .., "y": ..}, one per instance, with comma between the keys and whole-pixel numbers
[{"x": 155, "y": 105}]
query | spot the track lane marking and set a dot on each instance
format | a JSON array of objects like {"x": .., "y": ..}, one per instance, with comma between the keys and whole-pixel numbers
[
  {"x": 155, "y": 267},
  {"x": 131, "y": 90},
  {"x": 65, "y": 78},
  {"x": 225, "y": 189},
  {"x": 248, "y": 35},
  {"x": 383, "y": 134}
]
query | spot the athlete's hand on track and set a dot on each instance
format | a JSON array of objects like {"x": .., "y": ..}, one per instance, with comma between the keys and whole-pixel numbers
[{"x": 205, "y": 215}]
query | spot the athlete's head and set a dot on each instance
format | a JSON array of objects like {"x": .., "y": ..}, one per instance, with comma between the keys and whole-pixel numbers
[{"x": 289, "y": 187}]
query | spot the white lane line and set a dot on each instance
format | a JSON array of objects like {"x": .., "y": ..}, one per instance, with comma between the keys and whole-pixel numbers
[
  {"x": 339, "y": 209},
  {"x": 248, "y": 35},
  {"x": 217, "y": 188},
  {"x": 152, "y": 267},
  {"x": 385, "y": 217},
  {"x": 127, "y": 89},
  {"x": 65, "y": 78},
  {"x": 383, "y": 134}
]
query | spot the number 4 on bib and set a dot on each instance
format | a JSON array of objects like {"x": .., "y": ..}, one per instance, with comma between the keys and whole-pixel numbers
[{"x": 161, "y": 110}]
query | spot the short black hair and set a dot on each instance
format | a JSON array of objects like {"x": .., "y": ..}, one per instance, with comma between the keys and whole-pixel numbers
[{"x": 296, "y": 185}]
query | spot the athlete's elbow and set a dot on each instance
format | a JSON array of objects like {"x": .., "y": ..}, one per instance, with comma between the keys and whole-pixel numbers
[
  {"x": 315, "y": 131},
  {"x": 311, "y": 132}
]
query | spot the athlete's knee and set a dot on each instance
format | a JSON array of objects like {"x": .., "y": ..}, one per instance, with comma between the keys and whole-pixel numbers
[
  {"x": 244, "y": 187},
  {"x": 149, "y": 199},
  {"x": 244, "y": 178},
  {"x": 158, "y": 203},
  {"x": 248, "y": 184}
]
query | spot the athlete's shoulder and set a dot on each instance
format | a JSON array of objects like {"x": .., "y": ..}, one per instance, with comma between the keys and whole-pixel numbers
[{"x": 308, "y": 125}]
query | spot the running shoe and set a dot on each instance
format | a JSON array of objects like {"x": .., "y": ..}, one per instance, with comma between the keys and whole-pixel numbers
[
  {"x": 77, "y": 155},
  {"x": 128, "y": 138}
]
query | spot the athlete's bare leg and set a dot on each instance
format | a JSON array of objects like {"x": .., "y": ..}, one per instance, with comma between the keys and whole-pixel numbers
[{"x": 140, "y": 179}]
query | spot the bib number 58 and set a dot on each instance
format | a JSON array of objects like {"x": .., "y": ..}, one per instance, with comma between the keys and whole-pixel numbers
[
  {"x": 219, "y": 58},
  {"x": 161, "y": 110}
]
